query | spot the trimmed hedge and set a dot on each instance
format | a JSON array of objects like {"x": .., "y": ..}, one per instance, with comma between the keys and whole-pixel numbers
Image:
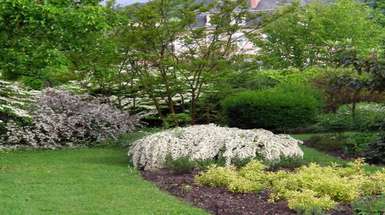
[{"x": 275, "y": 109}]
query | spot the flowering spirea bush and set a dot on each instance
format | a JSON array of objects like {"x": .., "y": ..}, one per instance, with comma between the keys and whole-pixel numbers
[
  {"x": 207, "y": 142},
  {"x": 62, "y": 119},
  {"x": 307, "y": 189}
]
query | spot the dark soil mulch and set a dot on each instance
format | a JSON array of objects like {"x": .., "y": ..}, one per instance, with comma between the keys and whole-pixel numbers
[{"x": 220, "y": 201}]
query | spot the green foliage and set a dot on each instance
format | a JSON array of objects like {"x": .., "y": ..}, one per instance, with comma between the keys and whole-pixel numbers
[
  {"x": 370, "y": 205},
  {"x": 209, "y": 107},
  {"x": 304, "y": 40},
  {"x": 180, "y": 165},
  {"x": 180, "y": 119},
  {"x": 285, "y": 163},
  {"x": 187, "y": 165},
  {"x": 375, "y": 152},
  {"x": 170, "y": 58},
  {"x": 280, "y": 108},
  {"x": 346, "y": 86},
  {"x": 293, "y": 75},
  {"x": 41, "y": 43},
  {"x": 349, "y": 145},
  {"x": 367, "y": 117},
  {"x": 229, "y": 178},
  {"x": 308, "y": 189},
  {"x": 306, "y": 202}
]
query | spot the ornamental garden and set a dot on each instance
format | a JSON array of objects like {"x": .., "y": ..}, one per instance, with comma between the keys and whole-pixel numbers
[{"x": 192, "y": 107}]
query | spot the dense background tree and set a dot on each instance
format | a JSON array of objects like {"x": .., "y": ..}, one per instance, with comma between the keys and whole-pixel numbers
[
  {"x": 308, "y": 30},
  {"x": 44, "y": 43}
]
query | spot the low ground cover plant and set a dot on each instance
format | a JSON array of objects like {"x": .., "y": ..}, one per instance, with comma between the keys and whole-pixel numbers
[
  {"x": 307, "y": 189},
  {"x": 370, "y": 205}
]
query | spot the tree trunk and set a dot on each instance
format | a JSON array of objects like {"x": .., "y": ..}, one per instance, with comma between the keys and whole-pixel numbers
[
  {"x": 193, "y": 108},
  {"x": 158, "y": 109}
]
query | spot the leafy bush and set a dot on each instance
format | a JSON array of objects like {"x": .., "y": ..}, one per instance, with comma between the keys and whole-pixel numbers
[
  {"x": 370, "y": 205},
  {"x": 180, "y": 165},
  {"x": 345, "y": 86},
  {"x": 293, "y": 75},
  {"x": 185, "y": 164},
  {"x": 307, "y": 202},
  {"x": 376, "y": 151},
  {"x": 209, "y": 105},
  {"x": 280, "y": 108},
  {"x": 308, "y": 189},
  {"x": 179, "y": 119},
  {"x": 346, "y": 144},
  {"x": 229, "y": 178},
  {"x": 63, "y": 119},
  {"x": 368, "y": 116},
  {"x": 285, "y": 163}
]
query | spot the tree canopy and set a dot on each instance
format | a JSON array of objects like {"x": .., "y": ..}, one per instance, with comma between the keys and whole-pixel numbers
[
  {"x": 309, "y": 30},
  {"x": 43, "y": 43}
]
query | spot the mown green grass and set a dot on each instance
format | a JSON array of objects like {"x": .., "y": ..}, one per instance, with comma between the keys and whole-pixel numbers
[{"x": 82, "y": 181}]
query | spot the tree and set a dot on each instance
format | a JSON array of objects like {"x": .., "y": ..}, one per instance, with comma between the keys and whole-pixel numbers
[
  {"x": 308, "y": 29},
  {"x": 207, "y": 53},
  {"x": 40, "y": 42},
  {"x": 350, "y": 78},
  {"x": 172, "y": 56}
]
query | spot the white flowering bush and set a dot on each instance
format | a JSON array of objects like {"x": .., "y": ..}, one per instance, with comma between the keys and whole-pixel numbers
[
  {"x": 62, "y": 119},
  {"x": 207, "y": 142},
  {"x": 14, "y": 101}
]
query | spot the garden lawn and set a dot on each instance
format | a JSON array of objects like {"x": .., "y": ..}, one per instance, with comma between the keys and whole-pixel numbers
[{"x": 82, "y": 181}]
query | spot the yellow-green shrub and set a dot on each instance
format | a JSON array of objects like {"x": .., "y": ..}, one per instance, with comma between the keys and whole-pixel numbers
[
  {"x": 254, "y": 171},
  {"x": 243, "y": 185},
  {"x": 218, "y": 176},
  {"x": 308, "y": 189},
  {"x": 228, "y": 177},
  {"x": 326, "y": 181},
  {"x": 308, "y": 202},
  {"x": 374, "y": 184}
]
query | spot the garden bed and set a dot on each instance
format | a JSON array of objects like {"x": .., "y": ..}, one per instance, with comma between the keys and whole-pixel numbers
[{"x": 220, "y": 200}]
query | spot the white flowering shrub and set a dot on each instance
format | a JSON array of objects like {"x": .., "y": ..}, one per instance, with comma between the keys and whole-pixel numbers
[
  {"x": 62, "y": 119},
  {"x": 207, "y": 142},
  {"x": 14, "y": 101}
]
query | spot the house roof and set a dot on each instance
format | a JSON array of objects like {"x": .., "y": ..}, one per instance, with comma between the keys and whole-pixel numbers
[{"x": 265, "y": 5}]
